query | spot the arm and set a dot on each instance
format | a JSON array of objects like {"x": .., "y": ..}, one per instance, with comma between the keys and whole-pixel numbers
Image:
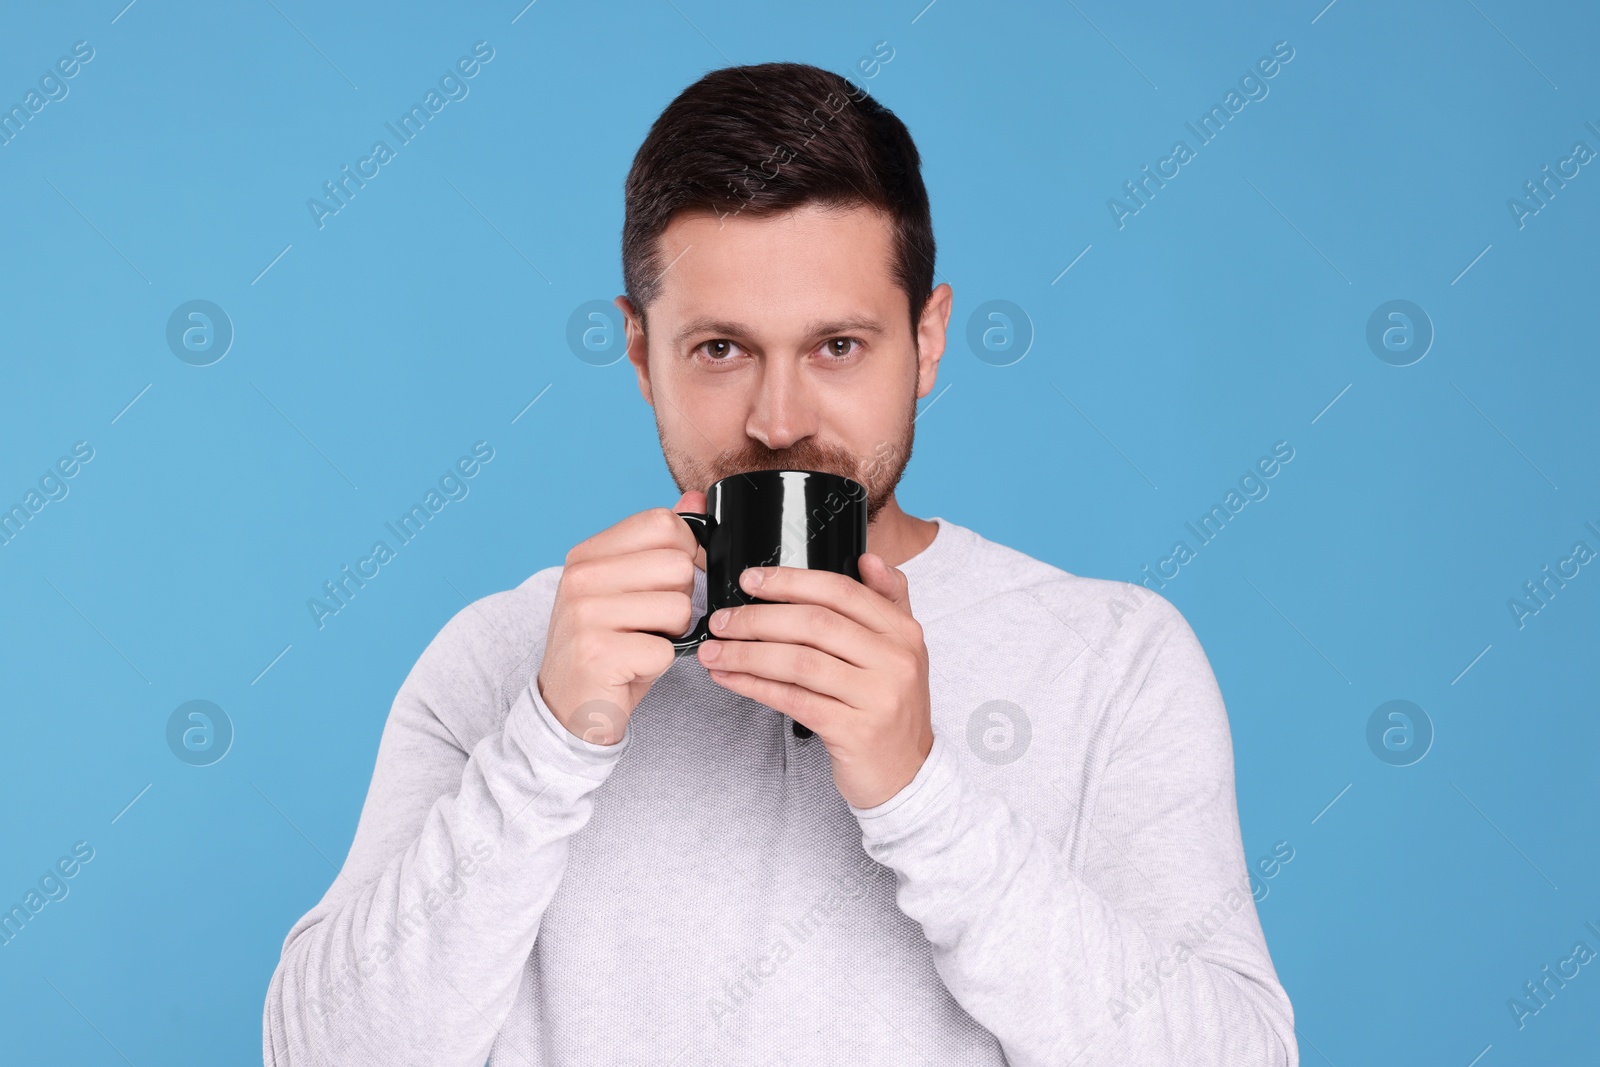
[
  {"x": 1100, "y": 965},
  {"x": 415, "y": 953}
]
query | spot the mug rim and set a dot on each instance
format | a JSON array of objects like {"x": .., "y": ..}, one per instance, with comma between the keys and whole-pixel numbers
[{"x": 849, "y": 481}]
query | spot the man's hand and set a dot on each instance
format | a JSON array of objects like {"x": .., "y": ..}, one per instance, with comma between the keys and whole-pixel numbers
[
  {"x": 842, "y": 657},
  {"x": 633, "y": 577}
]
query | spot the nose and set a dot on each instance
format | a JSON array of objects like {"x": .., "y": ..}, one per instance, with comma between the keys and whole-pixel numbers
[{"x": 785, "y": 409}]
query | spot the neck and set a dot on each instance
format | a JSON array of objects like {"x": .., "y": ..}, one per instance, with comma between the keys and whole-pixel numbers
[{"x": 896, "y": 536}]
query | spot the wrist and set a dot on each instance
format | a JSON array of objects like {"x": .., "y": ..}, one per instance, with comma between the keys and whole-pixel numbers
[{"x": 595, "y": 722}]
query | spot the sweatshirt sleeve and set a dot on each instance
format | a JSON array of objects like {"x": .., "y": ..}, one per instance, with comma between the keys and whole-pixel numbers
[
  {"x": 1149, "y": 951},
  {"x": 415, "y": 953}
]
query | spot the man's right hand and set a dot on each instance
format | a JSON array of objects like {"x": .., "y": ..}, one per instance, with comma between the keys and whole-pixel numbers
[{"x": 626, "y": 580}]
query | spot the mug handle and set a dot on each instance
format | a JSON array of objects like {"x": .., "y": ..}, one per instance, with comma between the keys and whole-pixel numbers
[{"x": 700, "y": 525}]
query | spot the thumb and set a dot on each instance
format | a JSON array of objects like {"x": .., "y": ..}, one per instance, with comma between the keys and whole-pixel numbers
[
  {"x": 693, "y": 500},
  {"x": 888, "y": 582}
]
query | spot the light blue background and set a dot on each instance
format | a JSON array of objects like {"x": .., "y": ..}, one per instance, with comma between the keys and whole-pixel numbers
[{"x": 426, "y": 315}]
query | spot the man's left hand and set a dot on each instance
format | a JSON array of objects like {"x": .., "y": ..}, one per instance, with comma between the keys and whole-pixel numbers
[{"x": 842, "y": 657}]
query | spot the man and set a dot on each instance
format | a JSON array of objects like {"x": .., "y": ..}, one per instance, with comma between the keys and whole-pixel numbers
[{"x": 1011, "y": 837}]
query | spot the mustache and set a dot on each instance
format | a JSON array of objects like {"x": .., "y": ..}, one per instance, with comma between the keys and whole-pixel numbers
[{"x": 806, "y": 455}]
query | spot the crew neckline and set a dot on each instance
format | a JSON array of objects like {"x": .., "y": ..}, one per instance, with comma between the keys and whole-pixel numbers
[{"x": 951, "y": 545}]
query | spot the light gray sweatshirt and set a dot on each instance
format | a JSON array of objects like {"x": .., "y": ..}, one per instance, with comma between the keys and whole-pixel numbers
[{"x": 1063, "y": 881}]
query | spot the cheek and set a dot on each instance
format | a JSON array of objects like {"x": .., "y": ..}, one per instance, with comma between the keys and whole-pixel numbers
[
  {"x": 708, "y": 409},
  {"x": 700, "y": 415},
  {"x": 871, "y": 406}
]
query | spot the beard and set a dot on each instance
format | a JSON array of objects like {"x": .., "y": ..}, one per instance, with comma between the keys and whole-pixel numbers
[{"x": 879, "y": 473}]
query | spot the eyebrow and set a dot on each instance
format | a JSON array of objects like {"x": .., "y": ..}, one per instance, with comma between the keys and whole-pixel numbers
[{"x": 736, "y": 330}]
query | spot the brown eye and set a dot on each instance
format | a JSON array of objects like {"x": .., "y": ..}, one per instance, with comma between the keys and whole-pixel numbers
[
  {"x": 841, "y": 347},
  {"x": 717, "y": 351}
]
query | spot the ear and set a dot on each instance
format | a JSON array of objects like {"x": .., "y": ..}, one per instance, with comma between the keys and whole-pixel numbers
[
  {"x": 638, "y": 350},
  {"x": 931, "y": 337}
]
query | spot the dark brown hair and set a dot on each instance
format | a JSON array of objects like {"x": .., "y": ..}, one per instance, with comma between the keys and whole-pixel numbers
[{"x": 764, "y": 139}]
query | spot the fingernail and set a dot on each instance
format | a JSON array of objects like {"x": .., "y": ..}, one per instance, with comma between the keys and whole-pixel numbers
[
  {"x": 710, "y": 650},
  {"x": 720, "y": 618},
  {"x": 753, "y": 578}
]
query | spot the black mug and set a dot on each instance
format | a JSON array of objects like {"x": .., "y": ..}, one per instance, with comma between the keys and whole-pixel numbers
[{"x": 766, "y": 518}]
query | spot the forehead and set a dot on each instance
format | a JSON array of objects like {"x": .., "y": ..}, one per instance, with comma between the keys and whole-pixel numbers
[{"x": 789, "y": 266}]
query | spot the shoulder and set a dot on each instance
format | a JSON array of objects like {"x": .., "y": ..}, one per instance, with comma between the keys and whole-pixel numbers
[
  {"x": 470, "y": 673},
  {"x": 1136, "y": 649},
  {"x": 495, "y": 628},
  {"x": 1122, "y": 635},
  {"x": 1110, "y": 616}
]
